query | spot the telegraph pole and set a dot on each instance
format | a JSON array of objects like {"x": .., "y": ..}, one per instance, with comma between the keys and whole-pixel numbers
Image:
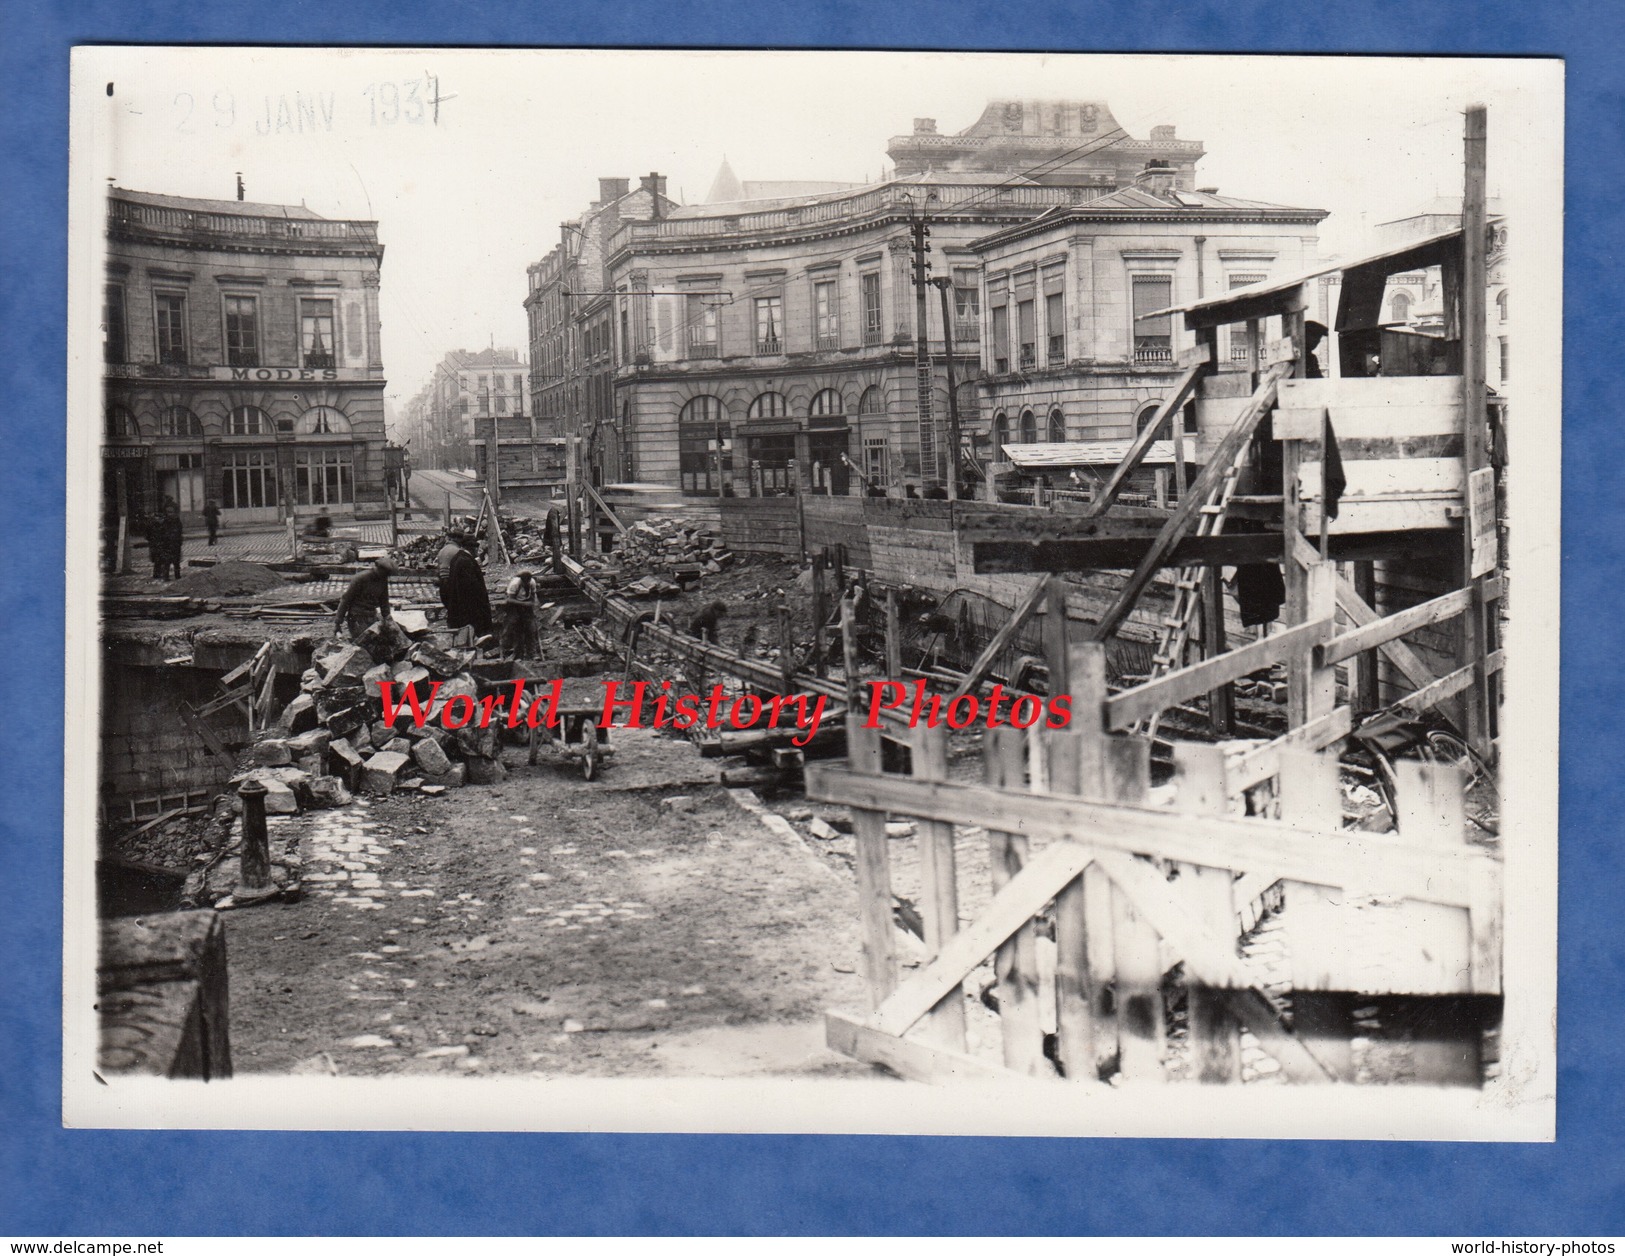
[
  {"x": 944, "y": 286},
  {"x": 929, "y": 464}
]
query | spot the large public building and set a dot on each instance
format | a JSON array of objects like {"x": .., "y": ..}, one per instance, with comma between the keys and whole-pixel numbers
[
  {"x": 242, "y": 361},
  {"x": 766, "y": 341}
]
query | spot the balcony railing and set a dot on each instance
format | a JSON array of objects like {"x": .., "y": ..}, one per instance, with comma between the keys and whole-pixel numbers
[
  {"x": 967, "y": 331},
  {"x": 1029, "y": 357},
  {"x": 321, "y": 361},
  {"x": 169, "y": 220},
  {"x": 769, "y": 344},
  {"x": 1057, "y": 350},
  {"x": 1152, "y": 351},
  {"x": 830, "y": 341},
  {"x": 703, "y": 350}
]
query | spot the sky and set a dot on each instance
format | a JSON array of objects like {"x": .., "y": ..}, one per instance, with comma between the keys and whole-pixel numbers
[{"x": 469, "y": 160}]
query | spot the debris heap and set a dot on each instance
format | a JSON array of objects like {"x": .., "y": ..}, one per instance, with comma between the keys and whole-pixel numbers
[{"x": 332, "y": 740}]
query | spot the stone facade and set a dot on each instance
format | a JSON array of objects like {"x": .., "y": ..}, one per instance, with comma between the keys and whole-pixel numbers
[
  {"x": 455, "y": 409},
  {"x": 1063, "y": 356},
  {"x": 243, "y": 362}
]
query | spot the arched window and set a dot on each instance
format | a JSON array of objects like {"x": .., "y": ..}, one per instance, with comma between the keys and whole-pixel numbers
[
  {"x": 701, "y": 410},
  {"x": 121, "y": 424},
  {"x": 1501, "y": 305},
  {"x": 323, "y": 421},
  {"x": 249, "y": 421},
  {"x": 1401, "y": 308},
  {"x": 1001, "y": 435},
  {"x": 827, "y": 401},
  {"x": 769, "y": 405},
  {"x": 1057, "y": 426},
  {"x": 871, "y": 402},
  {"x": 179, "y": 421},
  {"x": 1029, "y": 427}
]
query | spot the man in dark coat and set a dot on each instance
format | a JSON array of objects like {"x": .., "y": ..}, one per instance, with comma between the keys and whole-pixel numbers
[
  {"x": 211, "y": 517},
  {"x": 165, "y": 542},
  {"x": 462, "y": 587},
  {"x": 704, "y": 625}
]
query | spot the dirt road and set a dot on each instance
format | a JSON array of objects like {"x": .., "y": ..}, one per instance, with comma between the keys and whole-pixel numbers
[{"x": 547, "y": 925}]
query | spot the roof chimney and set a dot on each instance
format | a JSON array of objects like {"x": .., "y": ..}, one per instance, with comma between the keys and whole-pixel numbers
[
  {"x": 925, "y": 126},
  {"x": 1158, "y": 178},
  {"x": 611, "y": 189},
  {"x": 654, "y": 183}
]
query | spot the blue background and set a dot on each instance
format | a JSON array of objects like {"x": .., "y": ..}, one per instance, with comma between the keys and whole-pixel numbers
[{"x": 55, "y": 1182}]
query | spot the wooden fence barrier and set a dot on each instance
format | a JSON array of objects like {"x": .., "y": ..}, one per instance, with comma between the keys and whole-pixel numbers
[{"x": 1134, "y": 887}]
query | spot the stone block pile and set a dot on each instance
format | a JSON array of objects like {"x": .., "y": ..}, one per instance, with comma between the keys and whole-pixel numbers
[
  {"x": 332, "y": 741},
  {"x": 669, "y": 555}
]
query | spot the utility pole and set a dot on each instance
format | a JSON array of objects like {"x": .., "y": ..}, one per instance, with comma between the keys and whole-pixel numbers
[
  {"x": 1475, "y": 630},
  {"x": 944, "y": 287},
  {"x": 929, "y": 464}
]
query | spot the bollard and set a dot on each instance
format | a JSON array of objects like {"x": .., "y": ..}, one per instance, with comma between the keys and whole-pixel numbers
[{"x": 254, "y": 881}]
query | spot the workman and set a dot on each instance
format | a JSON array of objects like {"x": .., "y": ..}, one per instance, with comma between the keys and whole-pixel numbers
[
  {"x": 704, "y": 625},
  {"x": 366, "y": 599},
  {"x": 165, "y": 542},
  {"x": 211, "y": 518},
  {"x": 462, "y": 586},
  {"x": 519, "y": 617}
]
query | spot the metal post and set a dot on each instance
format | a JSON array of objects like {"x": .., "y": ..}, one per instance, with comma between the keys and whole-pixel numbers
[
  {"x": 944, "y": 285},
  {"x": 254, "y": 879}
]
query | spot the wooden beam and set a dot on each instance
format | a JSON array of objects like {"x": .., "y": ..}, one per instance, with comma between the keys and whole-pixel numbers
[
  {"x": 1136, "y": 453},
  {"x": 1023, "y": 523},
  {"x": 604, "y": 506},
  {"x": 1002, "y": 638},
  {"x": 1126, "y": 709},
  {"x": 1448, "y": 686},
  {"x": 1354, "y": 606},
  {"x": 1401, "y": 623},
  {"x": 1045, "y": 876},
  {"x": 1229, "y": 549},
  {"x": 1343, "y": 857},
  {"x": 1189, "y": 506},
  {"x": 912, "y": 1061},
  {"x": 1264, "y": 762}
]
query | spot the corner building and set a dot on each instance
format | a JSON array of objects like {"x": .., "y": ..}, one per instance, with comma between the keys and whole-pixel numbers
[{"x": 243, "y": 362}]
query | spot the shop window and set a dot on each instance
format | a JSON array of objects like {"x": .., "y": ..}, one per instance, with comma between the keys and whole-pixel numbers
[
  {"x": 323, "y": 477},
  {"x": 248, "y": 481}
]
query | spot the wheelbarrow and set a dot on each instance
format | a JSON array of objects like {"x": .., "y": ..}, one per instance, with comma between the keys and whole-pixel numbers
[{"x": 578, "y": 734}]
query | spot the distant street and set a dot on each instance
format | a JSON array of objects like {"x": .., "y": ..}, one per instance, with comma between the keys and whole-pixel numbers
[{"x": 429, "y": 488}]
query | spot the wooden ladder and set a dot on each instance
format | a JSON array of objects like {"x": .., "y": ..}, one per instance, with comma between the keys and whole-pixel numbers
[{"x": 1175, "y": 631}]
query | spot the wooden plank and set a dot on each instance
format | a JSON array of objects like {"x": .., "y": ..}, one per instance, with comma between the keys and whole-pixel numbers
[
  {"x": 1172, "y": 405},
  {"x": 205, "y": 734},
  {"x": 1264, "y": 762},
  {"x": 1355, "y": 607},
  {"x": 1001, "y": 639},
  {"x": 1366, "y": 421},
  {"x": 602, "y": 505},
  {"x": 1385, "y": 477},
  {"x": 1126, "y": 709},
  {"x": 1199, "y": 779},
  {"x": 1022, "y": 523},
  {"x": 1485, "y": 912},
  {"x": 1092, "y": 765},
  {"x": 1369, "y": 636},
  {"x": 912, "y": 1061},
  {"x": 939, "y": 886},
  {"x": 1324, "y": 858},
  {"x": 1010, "y": 910},
  {"x": 1186, "y": 512},
  {"x": 1020, "y": 557},
  {"x": 1015, "y": 965},
  {"x": 1432, "y": 694},
  {"x": 247, "y": 665},
  {"x": 873, "y": 870},
  {"x": 1074, "y": 1023}
]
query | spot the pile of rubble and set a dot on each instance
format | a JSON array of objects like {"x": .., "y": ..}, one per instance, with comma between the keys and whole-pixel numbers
[
  {"x": 527, "y": 541},
  {"x": 332, "y": 740},
  {"x": 668, "y": 556}
]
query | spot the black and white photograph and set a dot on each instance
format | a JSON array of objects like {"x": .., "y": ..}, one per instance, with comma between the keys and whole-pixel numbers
[{"x": 868, "y": 592}]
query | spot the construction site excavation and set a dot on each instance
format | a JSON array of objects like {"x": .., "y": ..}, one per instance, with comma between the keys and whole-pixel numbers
[{"x": 1164, "y": 759}]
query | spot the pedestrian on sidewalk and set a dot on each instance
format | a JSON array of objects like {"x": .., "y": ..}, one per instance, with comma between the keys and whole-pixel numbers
[
  {"x": 166, "y": 540},
  {"x": 519, "y": 617},
  {"x": 366, "y": 599},
  {"x": 462, "y": 586},
  {"x": 211, "y": 517}
]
